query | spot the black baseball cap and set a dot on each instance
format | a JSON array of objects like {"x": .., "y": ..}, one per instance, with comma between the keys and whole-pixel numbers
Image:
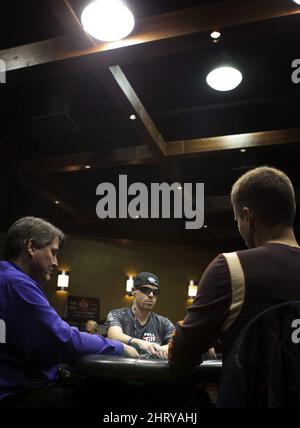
[{"x": 145, "y": 278}]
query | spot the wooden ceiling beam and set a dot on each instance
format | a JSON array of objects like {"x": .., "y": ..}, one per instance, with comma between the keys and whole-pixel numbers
[
  {"x": 51, "y": 191},
  {"x": 233, "y": 142},
  {"x": 78, "y": 161},
  {"x": 166, "y": 27},
  {"x": 141, "y": 154},
  {"x": 69, "y": 21},
  {"x": 148, "y": 130}
]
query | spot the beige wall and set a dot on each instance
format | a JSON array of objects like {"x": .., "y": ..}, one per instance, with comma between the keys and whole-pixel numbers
[{"x": 100, "y": 269}]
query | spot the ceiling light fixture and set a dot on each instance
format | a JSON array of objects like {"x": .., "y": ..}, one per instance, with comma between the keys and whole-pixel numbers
[
  {"x": 297, "y": 1},
  {"x": 216, "y": 35},
  {"x": 224, "y": 79},
  {"x": 132, "y": 117},
  {"x": 107, "y": 20}
]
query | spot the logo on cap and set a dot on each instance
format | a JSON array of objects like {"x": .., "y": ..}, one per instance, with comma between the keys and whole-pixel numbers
[{"x": 152, "y": 280}]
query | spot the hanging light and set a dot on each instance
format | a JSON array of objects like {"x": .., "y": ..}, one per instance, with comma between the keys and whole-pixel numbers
[
  {"x": 107, "y": 20},
  {"x": 224, "y": 78},
  {"x": 63, "y": 280},
  {"x": 193, "y": 289},
  {"x": 129, "y": 285}
]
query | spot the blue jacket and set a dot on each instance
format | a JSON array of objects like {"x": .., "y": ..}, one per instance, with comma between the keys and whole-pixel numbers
[{"x": 37, "y": 339}]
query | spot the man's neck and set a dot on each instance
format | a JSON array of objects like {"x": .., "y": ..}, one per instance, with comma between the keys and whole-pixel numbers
[
  {"x": 21, "y": 263},
  {"x": 141, "y": 316},
  {"x": 276, "y": 235}
]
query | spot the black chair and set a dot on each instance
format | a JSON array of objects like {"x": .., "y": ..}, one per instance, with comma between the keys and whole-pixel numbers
[{"x": 263, "y": 368}]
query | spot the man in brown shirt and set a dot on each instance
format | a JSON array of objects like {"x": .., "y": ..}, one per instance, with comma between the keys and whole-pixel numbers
[{"x": 238, "y": 286}]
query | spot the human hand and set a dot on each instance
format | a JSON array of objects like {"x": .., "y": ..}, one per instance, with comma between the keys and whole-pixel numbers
[
  {"x": 211, "y": 354},
  {"x": 148, "y": 347},
  {"x": 163, "y": 352},
  {"x": 130, "y": 352}
]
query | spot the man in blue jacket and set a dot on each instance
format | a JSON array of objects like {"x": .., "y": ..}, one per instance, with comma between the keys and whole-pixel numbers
[{"x": 34, "y": 338}]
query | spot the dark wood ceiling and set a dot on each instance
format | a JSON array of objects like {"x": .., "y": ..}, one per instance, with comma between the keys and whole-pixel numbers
[{"x": 67, "y": 102}]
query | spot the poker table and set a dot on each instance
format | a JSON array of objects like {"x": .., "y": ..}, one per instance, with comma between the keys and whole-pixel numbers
[{"x": 145, "y": 369}]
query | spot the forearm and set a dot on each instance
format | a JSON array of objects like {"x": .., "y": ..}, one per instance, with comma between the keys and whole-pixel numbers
[{"x": 121, "y": 337}]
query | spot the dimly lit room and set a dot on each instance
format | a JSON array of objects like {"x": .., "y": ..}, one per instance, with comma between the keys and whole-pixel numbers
[{"x": 149, "y": 236}]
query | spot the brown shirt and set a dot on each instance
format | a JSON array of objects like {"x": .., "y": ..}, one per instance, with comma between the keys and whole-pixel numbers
[{"x": 272, "y": 276}]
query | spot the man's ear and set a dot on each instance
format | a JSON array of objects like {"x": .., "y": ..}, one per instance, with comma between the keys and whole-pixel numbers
[
  {"x": 249, "y": 216},
  {"x": 30, "y": 246}
]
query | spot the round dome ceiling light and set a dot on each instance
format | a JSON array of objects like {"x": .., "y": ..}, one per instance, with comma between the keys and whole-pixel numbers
[
  {"x": 224, "y": 79},
  {"x": 216, "y": 36},
  {"x": 107, "y": 20}
]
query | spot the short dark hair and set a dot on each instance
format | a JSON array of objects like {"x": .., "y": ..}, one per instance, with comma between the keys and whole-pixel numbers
[
  {"x": 269, "y": 193},
  {"x": 40, "y": 231}
]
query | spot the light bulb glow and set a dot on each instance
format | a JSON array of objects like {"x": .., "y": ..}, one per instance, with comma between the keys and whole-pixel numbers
[
  {"x": 224, "y": 78},
  {"x": 215, "y": 35},
  {"x": 107, "y": 20},
  {"x": 297, "y": 1},
  {"x": 129, "y": 284},
  {"x": 63, "y": 280},
  {"x": 193, "y": 289}
]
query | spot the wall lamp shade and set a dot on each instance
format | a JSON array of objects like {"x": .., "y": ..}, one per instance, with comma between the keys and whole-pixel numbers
[
  {"x": 107, "y": 20},
  {"x": 224, "y": 79},
  {"x": 193, "y": 289},
  {"x": 63, "y": 281},
  {"x": 129, "y": 285}
]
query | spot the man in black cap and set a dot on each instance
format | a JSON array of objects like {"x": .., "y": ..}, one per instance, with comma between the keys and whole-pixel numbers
[{"x": 139, "y": 326}]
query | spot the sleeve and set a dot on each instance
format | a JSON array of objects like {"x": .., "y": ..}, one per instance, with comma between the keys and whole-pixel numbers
[
  {"x": 203, "y": 323},
  {"x": 38, "y": 334},
  {"x": 114, "y": 319},
  {"x": 168, "y": 331}
]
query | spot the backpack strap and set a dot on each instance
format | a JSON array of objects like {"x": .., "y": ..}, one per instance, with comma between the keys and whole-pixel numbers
[{"x": 237, "y": 288}]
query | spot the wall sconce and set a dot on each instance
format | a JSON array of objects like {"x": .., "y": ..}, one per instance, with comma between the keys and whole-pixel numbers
[
  {"x": 193, "y": 289},
  {"x": 63, "y": 280},
  {"x": 129, "y": 285}
]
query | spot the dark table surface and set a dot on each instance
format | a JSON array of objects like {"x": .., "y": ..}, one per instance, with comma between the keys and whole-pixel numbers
[{"x": 101, "y": 366}]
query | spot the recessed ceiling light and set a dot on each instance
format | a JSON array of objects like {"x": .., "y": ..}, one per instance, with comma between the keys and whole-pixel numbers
[
  {"x": 132, "y": 117},
  {"x": 56, "y": 202},
  {"x": 107, "y": 20},
  {"x": 215, "y": 35},
  {"x": 243, "y": 150},
  {"x": 88, "y": 167},
  {"x": 224, "y": 78}
]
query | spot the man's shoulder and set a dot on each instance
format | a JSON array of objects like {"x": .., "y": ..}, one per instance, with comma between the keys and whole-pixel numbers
[
  {"x": 160, "y": 318},
  {"x": 14, "y": 277},
  {"x": 119, "y": 312}
]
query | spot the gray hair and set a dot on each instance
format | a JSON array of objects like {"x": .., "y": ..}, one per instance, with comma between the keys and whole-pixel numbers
[{"x": 41, "y": 232}]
